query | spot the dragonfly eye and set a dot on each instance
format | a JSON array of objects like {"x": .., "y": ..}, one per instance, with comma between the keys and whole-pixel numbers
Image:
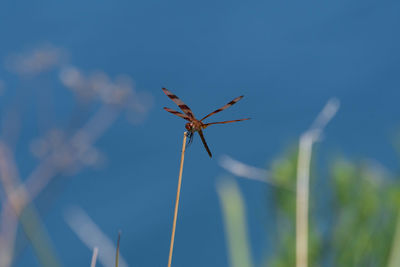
[{"x": 188, "y": 126}]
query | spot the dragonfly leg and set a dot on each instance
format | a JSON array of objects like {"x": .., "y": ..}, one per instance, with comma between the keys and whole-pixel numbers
[{"x": 190, "y": 135}]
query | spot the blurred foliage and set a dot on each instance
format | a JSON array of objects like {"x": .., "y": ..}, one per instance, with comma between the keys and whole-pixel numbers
[
  {"x": 362, "y": 200},
  {"x": 365, "y": 208},
  {"x": 234, "y": 217},
  {"x": 53, "y": 116},
  {"x": 283, "y": 171}
]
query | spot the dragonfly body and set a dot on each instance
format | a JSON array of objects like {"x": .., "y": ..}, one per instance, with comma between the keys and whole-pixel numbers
[{"x": 195, "y": 125}]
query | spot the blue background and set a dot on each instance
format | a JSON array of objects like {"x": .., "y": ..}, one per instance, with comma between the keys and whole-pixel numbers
[{"x": 288, "y": 58}]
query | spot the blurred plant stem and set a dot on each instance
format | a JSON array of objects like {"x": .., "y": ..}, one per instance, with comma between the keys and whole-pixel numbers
[
  {"x": 394, "y": 259},
  {"x": 28, "y": 216},
  {"x": 93, "y": 237},
  {"x": 38, "y": 237},
  {"x": 353, "y": 221},
  {"x": 302, "y": 197},
  {"x": 293, "y": 171},
  {"x": 58, "y": 151},
  {"x": 303, "y": 178},
  {"x": 233, "y": 210},
  {"x": 117, "y": 253},
  {"x": 94, "y": 257}
]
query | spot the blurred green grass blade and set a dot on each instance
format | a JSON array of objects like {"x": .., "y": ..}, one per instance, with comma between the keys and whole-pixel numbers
[
  {"x": 38, "y": 237},
  {"x": 117, "y": 254},
  {"x": 233, "y": 210},
  {"x": 394, "y": 259}
]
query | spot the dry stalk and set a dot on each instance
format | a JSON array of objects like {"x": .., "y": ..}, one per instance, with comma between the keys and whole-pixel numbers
[
  {"x": 178, "y": 193},
  {"x": 307, "y": 140}
]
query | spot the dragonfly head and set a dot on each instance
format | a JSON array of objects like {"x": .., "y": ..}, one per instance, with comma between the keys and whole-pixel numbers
[
  {"x": 194, "y": 126},
  {"x": 189, "y": 127}
]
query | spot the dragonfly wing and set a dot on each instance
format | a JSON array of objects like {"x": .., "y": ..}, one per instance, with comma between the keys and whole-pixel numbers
[
  {"x": 205, "y": 143},
  {"x": 234, "y": 101},
  {"x": 223, "y": 122},
  {"x": 179, "y": 102},
  {"x": 177, "y": 113}
]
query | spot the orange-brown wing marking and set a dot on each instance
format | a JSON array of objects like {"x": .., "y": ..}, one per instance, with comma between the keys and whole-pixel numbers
[
  {"x": 223, "y": 122},
  {"x": 205, "y": 143},
  {"x": 177, "y": 113},
  {"x": 234, "y": 101},
  {"x": 179, "y": 102}
]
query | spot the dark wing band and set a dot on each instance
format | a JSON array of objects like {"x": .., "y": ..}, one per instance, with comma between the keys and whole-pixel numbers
[
  {"x": 179, "y": 102},
  {"x": 234, "y": 101},
  {"x": 177, "y": 113}
]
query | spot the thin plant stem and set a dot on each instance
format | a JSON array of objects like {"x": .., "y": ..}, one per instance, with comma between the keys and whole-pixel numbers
[
  {"x": 302, "y": 199},
  {"x": 306, "y": 142},
  {"x": 178, "y": 193},
  {"x": 117, "y": 256},
  {"x": 94, "y": 257},
  {"x": 92, "y": 236}
]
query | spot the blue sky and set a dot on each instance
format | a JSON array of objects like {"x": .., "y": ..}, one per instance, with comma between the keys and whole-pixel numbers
[{"x": 287, "y": 58}]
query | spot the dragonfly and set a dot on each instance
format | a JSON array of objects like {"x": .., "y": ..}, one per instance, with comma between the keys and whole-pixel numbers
[{"x": 195, "y": 125}]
